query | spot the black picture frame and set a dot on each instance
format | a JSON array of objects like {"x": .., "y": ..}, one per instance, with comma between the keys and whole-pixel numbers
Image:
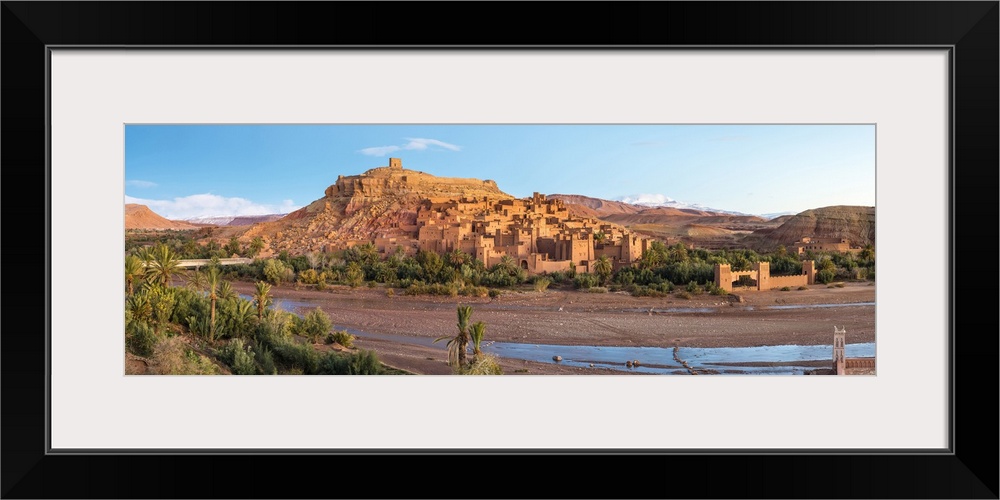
[{"x": 969, "y": 28}]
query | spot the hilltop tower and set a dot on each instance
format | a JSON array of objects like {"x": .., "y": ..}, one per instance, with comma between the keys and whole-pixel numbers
[
  {"x": 395, "y": 164},
  {"x": 839, "y": 335}
]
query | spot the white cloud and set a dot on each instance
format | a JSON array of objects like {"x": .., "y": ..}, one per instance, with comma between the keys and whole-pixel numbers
[
  {"x": 647, "y": 199},
  {"x": 209, "y": 205},
  {"x": 140, "y": 184},
  {"x": 378, "y": 150},
  {"x": 413, "y": 144},
  {"x": 421, "y": 144}
]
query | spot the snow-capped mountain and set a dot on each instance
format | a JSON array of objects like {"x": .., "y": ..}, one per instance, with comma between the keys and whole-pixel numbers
[
  {"x": 234, "y": 220},
  {"x": 659, "y": 200}
]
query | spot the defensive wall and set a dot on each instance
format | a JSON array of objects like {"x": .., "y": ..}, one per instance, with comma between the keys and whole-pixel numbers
[{"x": 760, "y": 276}]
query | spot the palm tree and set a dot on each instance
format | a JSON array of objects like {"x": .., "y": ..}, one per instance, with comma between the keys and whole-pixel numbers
[
  {"x": 603, "y": 268},
  {"x": 261, "y": 298},
  {"x": 212, "y": 279},
  {"x": 197, "y": 280},
  {"x": 255, "y": 246},
  {"x": 476, "y": 332},
  {"x": 134, "y": 271},
  {"x": 459, "y": 343},
  {"x": 164, "y": 265},
  {"x": 226, "y": 291},
  {"x": 599, "y": 237},
  {"x": 508, "y": 264},
  {"x": 457, "y": 257}
]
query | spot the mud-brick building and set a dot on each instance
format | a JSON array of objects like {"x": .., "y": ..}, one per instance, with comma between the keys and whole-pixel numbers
[{"x": 537, "y": 232}]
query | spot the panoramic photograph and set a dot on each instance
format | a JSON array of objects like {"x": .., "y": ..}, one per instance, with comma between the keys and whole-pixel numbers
[{"x": 571, "y": 249}]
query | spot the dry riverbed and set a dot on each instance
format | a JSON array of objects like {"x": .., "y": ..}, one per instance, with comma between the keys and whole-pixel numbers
[{"x": 570, "y": 317}]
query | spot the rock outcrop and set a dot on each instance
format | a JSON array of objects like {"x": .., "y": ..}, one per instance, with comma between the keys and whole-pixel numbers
[
  {"x": 855, "y": 223},
  {"x": 377, "y": 203}
]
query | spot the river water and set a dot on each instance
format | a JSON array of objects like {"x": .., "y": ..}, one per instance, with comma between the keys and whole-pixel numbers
[{"x": 652, "y": 360}]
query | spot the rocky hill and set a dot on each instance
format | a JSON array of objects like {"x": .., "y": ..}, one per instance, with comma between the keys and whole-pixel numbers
[
  {"x": 702, "y": 228},
  {"x": 141, "y": 217},
  {"x": 596, "y": 206},
  {"x": 364, "y": 207},
  {"x": 856, "y": 223}
]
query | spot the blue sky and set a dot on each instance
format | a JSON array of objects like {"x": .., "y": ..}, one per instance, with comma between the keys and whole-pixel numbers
[{"x": 183, "y": 171}]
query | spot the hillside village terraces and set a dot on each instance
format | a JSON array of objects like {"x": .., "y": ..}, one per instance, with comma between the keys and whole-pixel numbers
[{"x": 537, "y": 232}]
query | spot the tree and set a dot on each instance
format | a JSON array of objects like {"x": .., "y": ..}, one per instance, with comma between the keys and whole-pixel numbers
[
  {"x": 599, "y": 237},
  {"x": 261, "y": 298},
  {"x": 476, "y": 333},
  {"x": 508, "y": 264},
  {"x": 355, "y": 276},
  {"x": 255, "y": 246},
  {"x": 134, "y": 271},
  {"x": 275, "y": 271},
  {"x": 212, "y": 279},
  {"x": 603, "y": 268},
  {"x": 457, "y": 344},
  {"x": 457, "y": 257},
  {"x": 164, "y": 265},
  {"x": 226, "y": 291},
  {"x": 868, "y": 253},
  {"x": 233, "y": 247}
]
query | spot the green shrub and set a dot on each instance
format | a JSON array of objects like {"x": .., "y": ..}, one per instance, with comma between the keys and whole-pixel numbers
[
  {"x": 803, "y": 287},
  {"x": 475, "y": 291},
  {"x": 494, "y": 293},
  {"x": 301, "y": 356},
  {"x": 541, "y": 284},
  {"x": 313, "y": 325},
  {"x": 684, "y": 294},
  {"x": 239, "y": 357},
  {"x": 838, "y": 285},
  {"x": 140, "y": 338},
  {"x": 825, "y": 276},
  {"x": 786, "y": 289},
  {"x": 340, "y": 337},
  {"x": 265, "y": 362},
  {"x": 484, "y": 364},
  {"x": 363, "y": 362},
  {"x": 309, "y": 277},
  {"x": 585, "y": 281},
  {"x": 597, "y": 289},
  {"x": 276, "y": 272}
]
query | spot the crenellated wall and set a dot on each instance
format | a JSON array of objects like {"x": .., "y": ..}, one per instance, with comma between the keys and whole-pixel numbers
[
  {"x": 789, "y": 281},
  {"x": 761, "y": 273}
]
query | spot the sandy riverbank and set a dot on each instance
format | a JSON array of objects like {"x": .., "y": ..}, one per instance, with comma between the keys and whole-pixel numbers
[{"x": 569, "y": 317}]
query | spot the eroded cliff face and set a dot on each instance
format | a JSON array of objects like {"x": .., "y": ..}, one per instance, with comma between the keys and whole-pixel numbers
[
  {"x": 856, "y": 223},
  {"x": 381, "y": 202}
]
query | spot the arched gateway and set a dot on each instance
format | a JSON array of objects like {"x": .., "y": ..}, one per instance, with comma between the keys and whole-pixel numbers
[{"x": 760, "y": 276}]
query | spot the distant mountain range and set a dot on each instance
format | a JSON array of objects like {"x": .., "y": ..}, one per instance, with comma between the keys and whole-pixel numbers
[
  {"x": 234, "y": 220},
  {"x": 383, "y": 202},
  {"x": 660, "y": 201}
]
